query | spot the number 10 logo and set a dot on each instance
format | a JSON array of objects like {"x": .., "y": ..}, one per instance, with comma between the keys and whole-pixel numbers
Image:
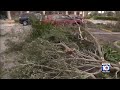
[{"x": 105, "y": 67}]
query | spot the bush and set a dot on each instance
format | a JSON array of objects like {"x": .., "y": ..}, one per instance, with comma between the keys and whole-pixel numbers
[
  {"x": 90, "y": 24},
  {"x": 113, "y": 28},
  {"x": 111, "y": 54},
  {"x": 117, "y": 27},
  {"x": 110, "y": 14},
  {"x": 118, "y": 43},
  {"x": 50, "y": 32},
  {"x": 106, "y": 18},
  {"x": 88, "y": 17}
]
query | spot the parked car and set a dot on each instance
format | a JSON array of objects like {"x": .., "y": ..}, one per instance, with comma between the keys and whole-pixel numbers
[
  {"x": 25, "y": 18},
  {"x": 76, "y": 17},
  {"x": 62, "y": 20}
]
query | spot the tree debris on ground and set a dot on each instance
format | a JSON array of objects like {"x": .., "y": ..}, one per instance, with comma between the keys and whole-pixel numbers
[{"x": 60, "y": 53}]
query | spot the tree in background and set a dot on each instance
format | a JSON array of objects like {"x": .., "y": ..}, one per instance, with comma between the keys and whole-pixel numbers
[
  {"x": 9, "y": 15},
  {"x": 43, "y": 12},
  {"x": 66, "y": 12},
  {"x": 117, "y": 13}
]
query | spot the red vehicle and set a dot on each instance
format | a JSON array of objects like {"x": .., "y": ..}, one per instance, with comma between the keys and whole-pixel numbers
[{"x": 62, "y": 20}]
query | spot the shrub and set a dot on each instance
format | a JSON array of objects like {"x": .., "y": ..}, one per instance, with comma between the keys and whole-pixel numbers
[
  {"x": 118, "y": 43},
  {"x": 112, "y": 27},
  {"x": 50, "y": 32},
  {"x": 90, "y": 24},
  {"x": 117, "y": 27},
  {"x": 88, "y": 17},
  {"x": 110, "y": 14},
  {"x": 111, "y": 54},
  {"x": 106, "y": 18}
]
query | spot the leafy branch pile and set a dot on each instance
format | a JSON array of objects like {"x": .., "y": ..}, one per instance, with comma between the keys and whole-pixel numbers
[
  {"x": 111, "y": 54},
  {"x": 60, "y": 53}
]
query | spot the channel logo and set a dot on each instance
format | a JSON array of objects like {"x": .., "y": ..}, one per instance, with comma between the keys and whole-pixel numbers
[{"x": 105, "y": 67}]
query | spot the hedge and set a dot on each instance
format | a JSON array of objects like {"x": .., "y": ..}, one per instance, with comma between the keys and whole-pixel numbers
[{"x": 106, "y": 18}]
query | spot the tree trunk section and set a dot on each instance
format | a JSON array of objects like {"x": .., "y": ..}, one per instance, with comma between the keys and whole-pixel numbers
[
  {"x": 75, "y": 12},
  {"x": 9, "y": 15},
  {"x": 66, "y": 12},
  {"x": 43, "y": 12}
]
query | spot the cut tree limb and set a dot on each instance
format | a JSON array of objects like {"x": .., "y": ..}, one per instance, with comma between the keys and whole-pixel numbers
[{"x": 97, "y": 45}]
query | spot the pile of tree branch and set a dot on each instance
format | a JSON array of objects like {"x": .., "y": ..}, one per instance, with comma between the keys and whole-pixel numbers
[{"x": 43, "y": 59}]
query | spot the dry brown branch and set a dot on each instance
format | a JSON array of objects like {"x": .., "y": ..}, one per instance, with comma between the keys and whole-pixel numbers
[
  {"x": 92, "y": 54},
  {"x": 67, "y": 50},
  {"x": 83, "y": 72},
  {"x": 91, "y": 60},
  {"x": 97, "y": 72},
  {"x": 95, "y": 40},
  {"x": 73, "y": 51},
  {"x": 80, "y": 32},
  {"x": 56, "y": 75},
  {"x": 84, "y": 55},
  {"x": 90, "y": 69},
  {"x": 97, "y": 44},
  {"x": 116, "y": 74}
]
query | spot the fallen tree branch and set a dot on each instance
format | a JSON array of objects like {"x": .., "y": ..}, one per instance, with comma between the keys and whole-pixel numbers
[
  {"x": 97, "y": 45},
  {"x": 80, "y": 33},
  {"x": 92, "y": 54},
  {"x": 116, "y": 74}
]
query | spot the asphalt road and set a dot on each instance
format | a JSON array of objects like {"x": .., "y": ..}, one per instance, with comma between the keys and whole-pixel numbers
[{"x": 105, "y": 36}]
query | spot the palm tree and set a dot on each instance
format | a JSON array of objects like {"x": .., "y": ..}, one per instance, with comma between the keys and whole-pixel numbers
[{"x": 9, "y": 15}]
